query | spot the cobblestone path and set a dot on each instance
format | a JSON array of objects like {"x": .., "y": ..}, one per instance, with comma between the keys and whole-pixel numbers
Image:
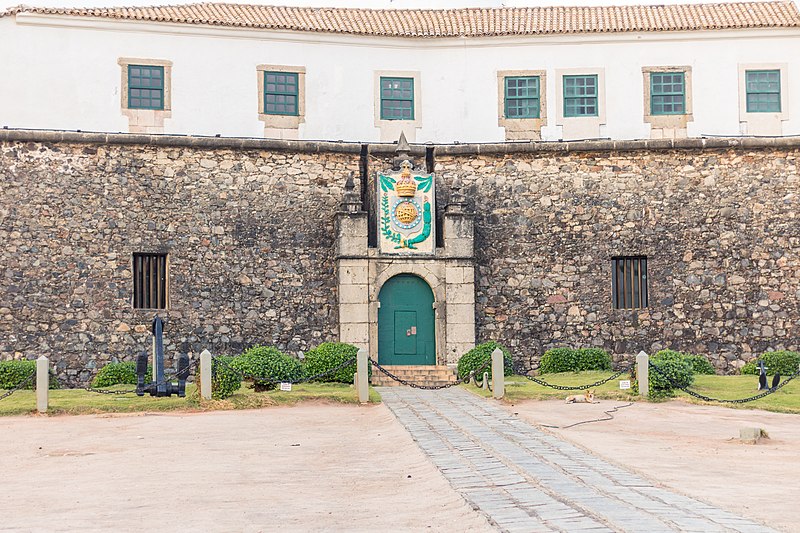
[{"x": 526, "y": 480}]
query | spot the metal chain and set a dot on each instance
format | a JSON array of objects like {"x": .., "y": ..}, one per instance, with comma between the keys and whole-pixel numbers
[
  {"x": 131, "y": 391},
  {"x": 271, "y": 379},
  {"x": 413, "y": 385},
  {"x": 543, "y": 383},
  {"x": 19, "y": 386},
  {"x": 709, "y": 399}
]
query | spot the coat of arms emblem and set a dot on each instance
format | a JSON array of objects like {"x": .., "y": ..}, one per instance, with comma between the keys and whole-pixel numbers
[{"x": 406, "y": 212}]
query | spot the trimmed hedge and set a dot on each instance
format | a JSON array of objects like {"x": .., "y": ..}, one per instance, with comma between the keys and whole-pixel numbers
[
  {"x": 270, "y": 363},
  {"x": 476, "y": 357},
  {"x": 783, "y": 362},
  {"x": 674, "y": 364},
  {"x": 120, "y": 374},
  {"x": 225, "y": 380},
  {"x": 700, "y": 365},
  {"x": 329, "y": 355},
  {"x": 13, "y": 372},
  {"x": 569, "y": 360}
]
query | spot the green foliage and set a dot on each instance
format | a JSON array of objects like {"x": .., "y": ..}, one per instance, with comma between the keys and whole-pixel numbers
[
  {"x": 700, "y": 364},
  {"x": 568, "y": 360},
  {"x": 225, "y": 380},
  {"x": 476, "y": 357},
  {"x": 120, "y": 374},
  {"x": 12, "y": 373},
  {"x": 782, "y": 362},
  {"x": 329, "y": 355},
  {"x": 676, "y": 365},
  {"x": 269, "y": 363}
]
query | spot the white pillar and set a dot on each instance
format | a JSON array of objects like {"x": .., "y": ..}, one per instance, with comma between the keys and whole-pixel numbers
[
  {"x": 205, "y": 375},
  {"x": 362, "y": 375},
  {"x": 498, "y": 385},
  {"x": 42, "y": 383},
  {"x": 643, "y": 373}
]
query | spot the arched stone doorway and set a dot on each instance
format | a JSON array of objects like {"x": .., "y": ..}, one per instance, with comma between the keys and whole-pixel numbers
[{"x": 406, "y": 322}]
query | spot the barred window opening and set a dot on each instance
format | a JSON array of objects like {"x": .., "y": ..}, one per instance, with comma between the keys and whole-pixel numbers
[
  {"x": 629, "y": 282},
  {"x": 149, "y": 281}
]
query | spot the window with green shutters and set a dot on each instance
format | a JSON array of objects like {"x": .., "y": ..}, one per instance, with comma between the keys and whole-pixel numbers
[
  {"x": 280, "y": 93},
  {"x": 145, "y": 87},
  {"x": 397, "y": 98},
  {"x": 580, "y": 96},
  {"x": 763, "y": 91},
  {"x": 667, "y": 93},
  {"x": 522, "y": 97}
]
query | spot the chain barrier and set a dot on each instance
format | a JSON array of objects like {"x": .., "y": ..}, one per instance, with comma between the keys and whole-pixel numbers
[
  {"x": 543, "y": 383},
  {"x": 177, "y": 375},
  {"x": 20, "y": 385},
  {"x": 413, "y": 385},
  {"x": 271, "y": 379},
  {"x": 709, "y": 399}
]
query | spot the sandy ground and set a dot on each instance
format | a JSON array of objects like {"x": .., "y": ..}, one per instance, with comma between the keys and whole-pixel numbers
[
  {"x": 694, "y": 450},
  {"x": 306, "y": 468}
]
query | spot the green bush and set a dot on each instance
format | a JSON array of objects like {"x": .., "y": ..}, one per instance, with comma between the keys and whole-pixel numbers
[
  {"x": 225, "y": 380},
  {"x": 269, "y": 363},
  {"x": 782, "y": 362},
  {"x": 700, "y": 364},
  {"x": 476, "y": 357},
  {"x": 676, "y": 366},
  {"x": 569, "y": 360},
  {"x": 12, "y": 373},
  {"x": 120, "y": 374},
  {"x": 329, "y": 355}
]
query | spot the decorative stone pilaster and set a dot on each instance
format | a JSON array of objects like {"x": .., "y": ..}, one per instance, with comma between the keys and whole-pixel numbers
[
  {"x": 459, "y": 236},
  {"x": 352, "y": 268}
]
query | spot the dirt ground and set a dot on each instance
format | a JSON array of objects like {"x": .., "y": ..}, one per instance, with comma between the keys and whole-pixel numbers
[
  {"x": 335, "y": 467},
  {"x": 306, "y": 468},
  {"x": 692, "y": 449}
]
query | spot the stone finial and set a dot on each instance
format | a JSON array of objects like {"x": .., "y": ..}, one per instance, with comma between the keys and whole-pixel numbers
[
  {"x": 402, "y": 152},
  {"x": 350, "y": 203},
  {"x": 457, "y": 202}
]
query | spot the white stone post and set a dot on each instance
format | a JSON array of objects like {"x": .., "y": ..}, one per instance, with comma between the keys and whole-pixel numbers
[
  {"x": 485, "y": 382},
  {"x": 643, "y": 373},
  {"x": 362, "y": 375},
  {"x": 498, "y": 385},
  {"x": 42, "y": 383},
  {"x": 205, "y": 375}
]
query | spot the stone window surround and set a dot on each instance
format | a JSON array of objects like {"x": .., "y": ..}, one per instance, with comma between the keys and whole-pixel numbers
[
  {"x": 581, "y": 127},
  {"x": 516, "y": 129},
  {"x": 390, "y": 129},
  {"x": 668, "y": 126},
  {"x": 763, "y": 123},
  {"x": 282, "y": 122},
  {"x": 146, "y": 120}
]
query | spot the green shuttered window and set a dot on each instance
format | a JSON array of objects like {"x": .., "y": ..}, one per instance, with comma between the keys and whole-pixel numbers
[
  {"x": 667, "y": 93},
  {"x": 145, "y": 87},
  {"x": 629, "y": 282},
  {"x": 763, "y": 91},
  {"x": 522, "y": 97},
  {"x": 281, "y": 93},
  {"x": 580, "y": 96},
  {"x": 397, "y": 98}
]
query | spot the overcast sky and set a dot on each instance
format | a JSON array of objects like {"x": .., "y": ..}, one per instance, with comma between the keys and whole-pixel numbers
[{"x": 377, "y": 4}]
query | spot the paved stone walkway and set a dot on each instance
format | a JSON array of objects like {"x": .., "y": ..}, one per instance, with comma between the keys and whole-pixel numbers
[{"x": 526, "y": 480}]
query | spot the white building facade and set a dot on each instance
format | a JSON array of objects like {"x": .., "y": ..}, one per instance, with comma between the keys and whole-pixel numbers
[{"x": 438, "y": 76}]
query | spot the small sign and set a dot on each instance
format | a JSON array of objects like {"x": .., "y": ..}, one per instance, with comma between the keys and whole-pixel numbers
[
  {"x": 286, "y": 386},
  {"x": 625, "y": 384}
]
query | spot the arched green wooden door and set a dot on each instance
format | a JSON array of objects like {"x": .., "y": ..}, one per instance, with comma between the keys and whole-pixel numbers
[{"x": 406, "y": 322}]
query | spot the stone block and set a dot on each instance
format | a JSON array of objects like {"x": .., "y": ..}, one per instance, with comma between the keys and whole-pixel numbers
[
  {"x": 460, "y": 333},
  {"x": 353, "y": 274},
  {"x": 460, "y": 293},
  {"x": 357, "y": 334},
  {"x": 353, "y": 294},
  {"x": 752, "y": 435},
  {"x": 460, "y": 313},
  {"x": 353, "y": 313}
]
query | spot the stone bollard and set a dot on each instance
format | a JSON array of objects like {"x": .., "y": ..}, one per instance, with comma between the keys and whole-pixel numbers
[
  {"x": 42, "y": 383},
  {"x": 362, "y": 376},
  {"x": 485, "y": 382},
  {"x": 205, "y": 375},
  {"x": 498, "y": 385},
  {"x": 643, "y": 373}
]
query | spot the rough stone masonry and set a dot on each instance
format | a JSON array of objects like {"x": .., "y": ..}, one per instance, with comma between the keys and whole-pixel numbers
[{"x": 248, "y": 228}]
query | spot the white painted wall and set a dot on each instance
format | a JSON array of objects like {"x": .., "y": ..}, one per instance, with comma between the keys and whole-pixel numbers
[{"x": 62, "y": 73}]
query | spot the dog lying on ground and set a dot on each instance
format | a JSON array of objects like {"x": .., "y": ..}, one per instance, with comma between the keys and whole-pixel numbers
[{"x": 587, "y": 397}]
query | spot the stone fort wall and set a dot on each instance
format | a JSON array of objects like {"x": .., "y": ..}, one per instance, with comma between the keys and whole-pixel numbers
[{"x": 249, "y": 228}]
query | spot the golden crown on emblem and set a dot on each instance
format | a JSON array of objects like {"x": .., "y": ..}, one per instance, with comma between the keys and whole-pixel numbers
[{"x": 406, "y": 186}]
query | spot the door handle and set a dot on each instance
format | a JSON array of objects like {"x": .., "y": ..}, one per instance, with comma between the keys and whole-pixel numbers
[{"x": 411, "y": 331}]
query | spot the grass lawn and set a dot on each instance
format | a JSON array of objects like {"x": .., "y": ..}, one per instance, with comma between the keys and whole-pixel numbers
[
  {"x": 785, "y": 400},
  {"x": 79, "y": 401}
]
